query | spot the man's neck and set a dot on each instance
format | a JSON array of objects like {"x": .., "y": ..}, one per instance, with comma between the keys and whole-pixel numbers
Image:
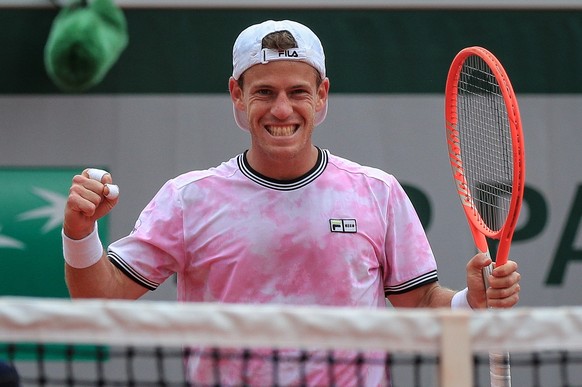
[{"x": 283, "y": 168}]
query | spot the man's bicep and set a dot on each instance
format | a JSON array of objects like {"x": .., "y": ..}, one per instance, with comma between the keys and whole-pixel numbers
[
  {"x": 131, "y": 289},
  {"x": 419, "y": 297}
]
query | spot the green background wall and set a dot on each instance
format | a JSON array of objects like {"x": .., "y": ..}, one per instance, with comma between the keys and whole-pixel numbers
[{"x": 368, "y": 51}]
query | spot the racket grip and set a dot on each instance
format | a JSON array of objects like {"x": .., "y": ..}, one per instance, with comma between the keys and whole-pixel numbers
[
  {"x": 499, "y": 369},
  {"x": 486, "y": 273},
  {"x": 499, "y": 365}
]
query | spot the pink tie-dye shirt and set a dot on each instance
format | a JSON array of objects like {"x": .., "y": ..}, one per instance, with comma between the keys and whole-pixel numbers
[{"x": 341, "y": 235}]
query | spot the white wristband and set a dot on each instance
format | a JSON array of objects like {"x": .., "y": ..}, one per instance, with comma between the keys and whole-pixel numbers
[
  {"x": 459, "y": 300},
  {"x": 84, "y": 252}
]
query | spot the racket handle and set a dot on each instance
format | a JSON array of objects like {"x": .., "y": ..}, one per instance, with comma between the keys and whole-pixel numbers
[
  {"x": 499, "y": 366},
  {"x": 486, "y": 273},
  {"x": 499, "y": 369}
]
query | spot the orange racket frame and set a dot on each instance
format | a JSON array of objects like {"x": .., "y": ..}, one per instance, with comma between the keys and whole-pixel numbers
[{"x": 478, "y": 227}]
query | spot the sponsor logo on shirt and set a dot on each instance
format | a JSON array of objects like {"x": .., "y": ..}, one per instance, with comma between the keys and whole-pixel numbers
[{"x": 343, "y": 225}]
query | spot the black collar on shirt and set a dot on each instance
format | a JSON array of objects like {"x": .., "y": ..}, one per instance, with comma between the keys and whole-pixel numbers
[{"x": 284, "y": 185}]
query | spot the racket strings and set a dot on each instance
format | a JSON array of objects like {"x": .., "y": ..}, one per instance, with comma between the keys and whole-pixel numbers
[{"x": 485, "y": 142}]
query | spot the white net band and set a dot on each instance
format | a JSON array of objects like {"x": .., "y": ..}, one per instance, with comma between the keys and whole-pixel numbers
[{"x": 450, "y": 342}]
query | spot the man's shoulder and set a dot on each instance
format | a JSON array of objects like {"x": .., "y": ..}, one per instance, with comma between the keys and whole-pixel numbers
[
  {"x": 352, "y": 167},
  {"x": 226, "y": 169}
]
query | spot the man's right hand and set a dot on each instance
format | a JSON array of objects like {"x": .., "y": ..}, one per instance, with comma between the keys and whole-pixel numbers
[{"x": 91, "y": 196}]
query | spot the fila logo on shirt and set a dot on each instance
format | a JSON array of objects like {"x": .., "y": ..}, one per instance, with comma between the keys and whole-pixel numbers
[{"x": 343, "y": 225}]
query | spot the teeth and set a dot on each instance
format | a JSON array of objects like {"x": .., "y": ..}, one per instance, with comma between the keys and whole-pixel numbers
[{"x": 281, "y": 130}]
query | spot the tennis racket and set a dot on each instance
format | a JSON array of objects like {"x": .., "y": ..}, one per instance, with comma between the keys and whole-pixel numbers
[{"x": 487, "y": 155}]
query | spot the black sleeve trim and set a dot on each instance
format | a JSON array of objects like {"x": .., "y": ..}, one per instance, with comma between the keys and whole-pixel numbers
[
  {"x": 130, "y": 272},
  {"x": 417, "y": 282}
]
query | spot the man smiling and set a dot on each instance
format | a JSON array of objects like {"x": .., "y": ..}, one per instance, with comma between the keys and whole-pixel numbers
[
  {"x": 285, "y": 222},
  {"x": 281, "y": 103}
]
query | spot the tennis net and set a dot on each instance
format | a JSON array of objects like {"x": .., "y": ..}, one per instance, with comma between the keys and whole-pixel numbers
[{"x": 154, "y": 343}]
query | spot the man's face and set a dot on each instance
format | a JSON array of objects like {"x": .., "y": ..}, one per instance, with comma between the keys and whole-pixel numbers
[{"x": 281, "y": 99}]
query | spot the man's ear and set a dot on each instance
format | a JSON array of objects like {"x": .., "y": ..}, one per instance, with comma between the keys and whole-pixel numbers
[
  {"x": 236, "y": 93},
  {"x": 323, "y": 94}
]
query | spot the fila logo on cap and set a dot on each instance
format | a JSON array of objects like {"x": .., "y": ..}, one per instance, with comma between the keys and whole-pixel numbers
[
  {"x": 289, "y": 54},
  {"x": 292, "y": 53},
  {"x": 343, "y": 225}
]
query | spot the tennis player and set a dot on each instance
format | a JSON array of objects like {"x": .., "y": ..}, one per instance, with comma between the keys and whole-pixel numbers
[{"x": 284, "y": 222}]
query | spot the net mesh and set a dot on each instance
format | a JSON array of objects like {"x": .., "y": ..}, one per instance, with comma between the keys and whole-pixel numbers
[
  {"x": 485, "y": 141},
  {"x": 143, "y": 343}
]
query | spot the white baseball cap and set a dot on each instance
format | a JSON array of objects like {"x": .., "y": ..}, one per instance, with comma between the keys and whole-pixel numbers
[{"x": 248, "y": 51}]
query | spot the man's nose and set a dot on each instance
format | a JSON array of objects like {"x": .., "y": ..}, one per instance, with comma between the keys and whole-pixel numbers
[{"x": 282, "y": 107}]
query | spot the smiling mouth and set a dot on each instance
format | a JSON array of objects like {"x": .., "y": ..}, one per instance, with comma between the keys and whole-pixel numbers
[{"x": 281, "y": 131}]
